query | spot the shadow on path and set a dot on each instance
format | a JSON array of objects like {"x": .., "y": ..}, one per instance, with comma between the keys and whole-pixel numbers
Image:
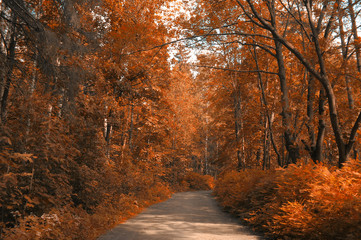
[{"x": 188, "y": 215}]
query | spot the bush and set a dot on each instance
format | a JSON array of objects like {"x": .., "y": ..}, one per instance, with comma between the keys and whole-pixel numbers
[
  {"x": 76, "y": 223},
  {"x": 300, "y": 202},
  {"x": 193, "y": 181}
]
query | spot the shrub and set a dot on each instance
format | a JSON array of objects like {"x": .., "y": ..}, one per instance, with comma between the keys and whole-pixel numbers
[
  {"x": 300, "y": 202},
  {"x": 76, "y": 223},
  {"x": 195, "y": 181}
]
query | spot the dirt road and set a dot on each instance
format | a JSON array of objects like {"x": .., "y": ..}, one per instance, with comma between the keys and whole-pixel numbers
[{"x": 189, "y": 215}]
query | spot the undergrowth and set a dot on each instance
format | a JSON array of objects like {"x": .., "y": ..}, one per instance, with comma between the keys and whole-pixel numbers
[
  {"x": 193, "y": 181},
  {"x": 301, "y": 202},
  {"x": 71, "y": 222}
]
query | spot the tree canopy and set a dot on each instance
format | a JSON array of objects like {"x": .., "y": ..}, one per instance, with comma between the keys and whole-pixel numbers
[{"x": 119, "y": 103}]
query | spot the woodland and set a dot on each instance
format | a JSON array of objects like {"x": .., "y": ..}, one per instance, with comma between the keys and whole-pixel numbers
[{"x": 107, "y": 107}]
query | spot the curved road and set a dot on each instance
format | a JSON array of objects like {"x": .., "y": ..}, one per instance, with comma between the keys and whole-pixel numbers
[{"x": 188, "y": 215}]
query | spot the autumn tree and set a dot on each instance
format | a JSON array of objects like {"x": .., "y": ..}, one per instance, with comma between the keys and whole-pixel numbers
[
  {"x": 297, "y": 34},
  {"x": 86, "y": 119}
]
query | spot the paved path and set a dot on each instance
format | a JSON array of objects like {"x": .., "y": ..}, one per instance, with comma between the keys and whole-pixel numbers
[{"x": 189, "y": 215}]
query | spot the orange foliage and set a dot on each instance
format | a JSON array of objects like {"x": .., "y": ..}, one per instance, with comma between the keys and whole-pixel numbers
[
  {"x": 76, "y": 223},
  {"x": 301, "y": 202},
  {"x": 194, "y": 181},
  {"x": 86, "y": 141}
]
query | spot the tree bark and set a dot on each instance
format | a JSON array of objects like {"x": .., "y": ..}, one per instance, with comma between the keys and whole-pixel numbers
[
  {"x": 9, "y": 76},
  {"x": 206, "y": 150},
  {"x": 355, "y": 34},
  {"x": 238, "y": 124},
  {"x": 108, "y": 131},
  {"x": 315, "y": 148},
  {"x": 266, "y": 144},
  {"x": 291, "y": 146},
  {"x": 344, "y": 51},
  {"x": 131, "y": 127}
]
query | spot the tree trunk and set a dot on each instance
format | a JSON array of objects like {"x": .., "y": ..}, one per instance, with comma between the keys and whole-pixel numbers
[
  {"x": 355, "y": 34},
  {"x": 266, "y": 144},
  {"x": 290, "y": 139},
  {"x": 318, "y": 148},
  {"x": 315, "y": 148},
  {"x": 344, "y": 51},
  {"x": 343, "y": 148},
  {"x": 238, "y": 124},
  {"x": 206, "y": 150},
  {"x": 108, "y": 132},
  {"x": 291, "y": 147},
  {"x": 265, "y": 102},
  {"x": 131, "y": 126},
  {"x": 11, "y": 63}
]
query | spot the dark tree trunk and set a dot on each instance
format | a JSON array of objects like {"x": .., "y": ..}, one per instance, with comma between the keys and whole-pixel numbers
[
  {"x": 131, "y": 126},
  {"x": 9, "y": 76},
  {"x": 315, "y": 148},
  {"x": 344, "y": 50},
  {"x": 291, "y": 146},
  {"x": 238, "y": 125},
  {"x": 269, "y": 117}
]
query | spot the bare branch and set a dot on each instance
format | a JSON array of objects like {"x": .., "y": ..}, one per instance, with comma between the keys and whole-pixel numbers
[
  {"x": 234, "y": 70},
  {"x": 262, "y": 46},
  {"x": 322, "y": 15},
  {"x": 18, "y": 7},
  {"x": 297, "y": 20}
]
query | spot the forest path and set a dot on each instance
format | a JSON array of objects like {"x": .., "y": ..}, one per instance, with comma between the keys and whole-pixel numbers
[{"x": 188, "y": 215}]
